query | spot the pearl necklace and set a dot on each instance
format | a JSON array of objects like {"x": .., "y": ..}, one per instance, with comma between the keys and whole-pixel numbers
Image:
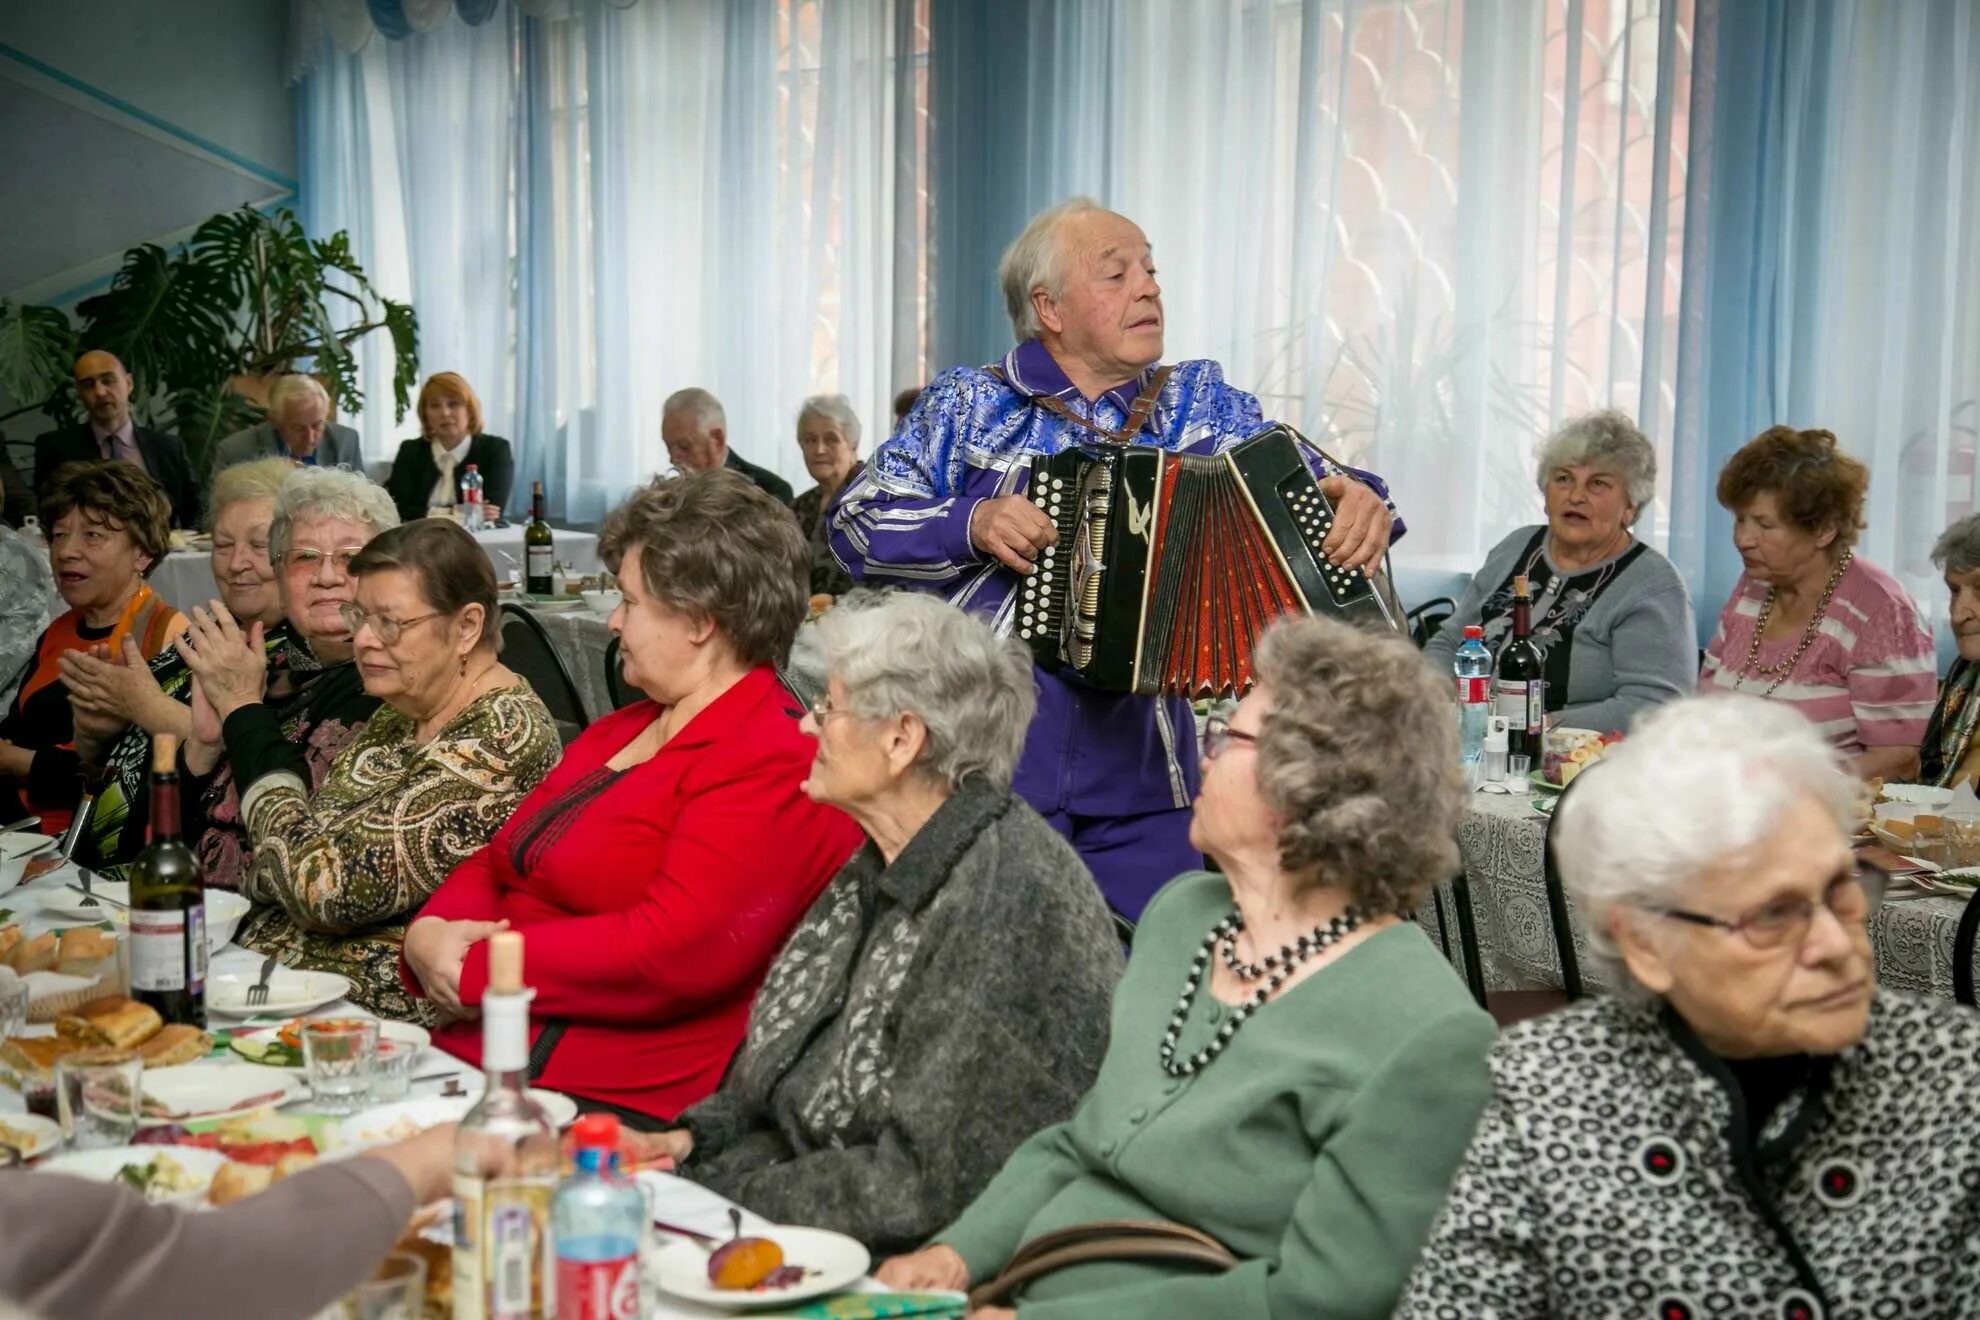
[
  {"x": 1780, "y": 672},
  {"x": 1291, "y": 958}
]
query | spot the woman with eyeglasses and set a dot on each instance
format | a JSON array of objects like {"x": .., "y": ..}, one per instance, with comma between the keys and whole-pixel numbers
[
  {"x": 1750, "y": 1127},
  {"x": 459, "y": 740},
  {"x": 1292, "y": 1068},
  {"x": 662, "y": 864}
]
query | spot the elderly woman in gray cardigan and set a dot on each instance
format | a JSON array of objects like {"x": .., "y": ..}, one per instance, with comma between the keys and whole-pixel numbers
[
  {"x": 947, "y": 995},
  {"x": 1751, "y": 1127},
  {"x": 1611, "y": 615}
]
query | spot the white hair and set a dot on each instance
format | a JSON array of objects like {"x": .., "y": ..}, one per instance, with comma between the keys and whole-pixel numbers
[
  {"x": 836, "y": 409},
  {"x": 320, "y": 492},
  {"x": 704, "y": 407},
  {"x": 1696, "y": 783},
  {"x": 909, "y": 652},
  {"x": 293, "y": 389},
  {"x": 1036, "y": 259},
  {"x": 1610, "y": 440}
]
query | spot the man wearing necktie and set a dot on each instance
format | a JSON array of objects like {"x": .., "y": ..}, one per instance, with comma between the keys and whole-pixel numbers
[{"x": 112, "y": 434}]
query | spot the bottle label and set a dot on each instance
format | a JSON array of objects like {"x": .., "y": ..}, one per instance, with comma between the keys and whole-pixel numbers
[
  {"x": 1536, "y": 706},
  {"x": 1470, "y": 690},
  {"x": 539, "y": 560},
  {"x": 168, "y": 949},
  {"x": 502, "y": 1254},
  {"x": 1510, "y": 701},
  {"x": 598, "y": 1289}
]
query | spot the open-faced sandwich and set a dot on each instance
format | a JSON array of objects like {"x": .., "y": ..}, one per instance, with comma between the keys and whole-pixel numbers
[{"x": 115, "y": 1021}]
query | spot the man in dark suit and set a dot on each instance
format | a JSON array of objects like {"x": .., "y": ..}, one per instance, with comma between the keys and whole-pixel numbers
[
  {"x": 696, "y": 430},
  {"x": 105, "y": 390},
  {"x": 20, "y": 501}
]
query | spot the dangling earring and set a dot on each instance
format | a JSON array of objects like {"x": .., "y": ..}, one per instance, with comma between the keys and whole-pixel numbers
[{"x": 464, "y": 666}]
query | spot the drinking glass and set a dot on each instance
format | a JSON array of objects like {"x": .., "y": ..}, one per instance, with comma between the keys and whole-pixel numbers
[
  {"x": 97, "y": 1092},
  {"x": 396, "y": 1292},
  {"x": 391, "y": 1071},
  {"x": 337, "y": 1056},
  {"x": 13, "y": 1005},
  {"x": 1962, "y": 840}
]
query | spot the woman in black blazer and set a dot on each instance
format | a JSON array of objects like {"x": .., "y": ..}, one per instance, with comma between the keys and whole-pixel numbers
[{"x": 449, "y": 414}]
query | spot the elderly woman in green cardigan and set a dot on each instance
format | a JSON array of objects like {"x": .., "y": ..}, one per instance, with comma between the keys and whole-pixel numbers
[{"x": 1293, "y": 1069}]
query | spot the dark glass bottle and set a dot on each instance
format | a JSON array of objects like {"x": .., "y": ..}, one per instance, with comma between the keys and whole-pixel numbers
[
  {"x": 1519, "y": 686},
  {"x": 539, "y": 549},
  {"x": 168, "y": 904}
]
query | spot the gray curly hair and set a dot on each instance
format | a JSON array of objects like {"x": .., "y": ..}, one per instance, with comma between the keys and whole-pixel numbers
[
  {"x": 1358, "y": 755},
  {"x": 835, "y": 409},
  {"x": 1698, "y": 781},
  {"x": 1958, "y": 547},
  {"x": 909, "y": 652},
  {"x": 1036, "y": 259},
  {"x": 1608, "y": 439},
  {"x": 320, "y": 492}
]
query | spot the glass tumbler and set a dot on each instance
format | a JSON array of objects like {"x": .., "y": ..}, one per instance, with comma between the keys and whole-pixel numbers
[
  {"x": 337, "y": 1057},
  {"x": 97, "y": 1092},
  {"x": 396, "y": 1292},
  {"x": 391, "y": 1070}
]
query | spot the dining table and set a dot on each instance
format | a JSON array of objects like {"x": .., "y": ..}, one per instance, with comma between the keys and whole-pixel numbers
[
  {"x": 1502, "y": 838},
  {"x": 674, "y": 1202}
]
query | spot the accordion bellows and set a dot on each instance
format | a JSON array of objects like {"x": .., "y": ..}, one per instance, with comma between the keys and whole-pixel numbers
[{"x": 1169, "y": 566}]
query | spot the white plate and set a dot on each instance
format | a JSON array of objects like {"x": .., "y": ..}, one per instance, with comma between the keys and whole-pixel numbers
[
  {"x": 832, "y": 1261},
  {"x": 197, "y": 1092},
  {"x": 102, "y": 1165},
  {"x": 43, "y": 1134},
  {"x": 376, "y": 1127},
  {"x": 411, "y": 1032},
  {"x": 16, "y": 849},
  {"x": 224, "y": 909},
  {"x": 1918, "y": 795},
  {"x": 289, "y": 992},
  {"x": 551, "y": 604}
]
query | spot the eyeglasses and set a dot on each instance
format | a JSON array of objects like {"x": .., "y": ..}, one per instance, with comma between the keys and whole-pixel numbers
[
  {"x": 309, "y": 559},
  {"x": 383, "y": 626},
  {"x": 823, "y": 709},
  {"x": 1851, "y": 898},
  {"x": 1219, "y": 735}
]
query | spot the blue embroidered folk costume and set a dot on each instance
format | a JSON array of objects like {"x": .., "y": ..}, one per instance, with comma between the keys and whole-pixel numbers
[{"x": 1114, "y": 772}]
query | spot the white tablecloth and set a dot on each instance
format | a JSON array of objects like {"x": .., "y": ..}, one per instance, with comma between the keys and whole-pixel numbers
[
  {"x": 186, "y": 577},
  {"x": 581, "y": 638}
]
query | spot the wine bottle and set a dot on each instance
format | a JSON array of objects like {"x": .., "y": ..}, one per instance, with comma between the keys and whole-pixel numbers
[
  {"x": 539, "y": 549},
  {"x": 168, "y": 904},
  {"x": 506, "y": 1162},
  {"x": 1519, "y": 688}
]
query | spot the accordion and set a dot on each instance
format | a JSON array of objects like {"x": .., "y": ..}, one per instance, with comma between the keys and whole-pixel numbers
[{"x": 1169, "y": 566}]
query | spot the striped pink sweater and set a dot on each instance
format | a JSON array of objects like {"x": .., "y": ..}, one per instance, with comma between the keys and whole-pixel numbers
[{"x": 1869, "y": 678}]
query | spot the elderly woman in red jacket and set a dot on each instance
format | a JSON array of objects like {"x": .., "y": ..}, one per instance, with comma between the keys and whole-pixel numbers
[{"x": 658, "y": 869}]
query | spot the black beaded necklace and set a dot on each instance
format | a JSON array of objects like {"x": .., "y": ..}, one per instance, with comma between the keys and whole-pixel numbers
[
  {"x": 1288, "y": 961},
  {"x": 1245, "y": 971}
]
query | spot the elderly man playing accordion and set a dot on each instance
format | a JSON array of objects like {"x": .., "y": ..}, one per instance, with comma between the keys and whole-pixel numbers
[{"x": 940, "y": 507}]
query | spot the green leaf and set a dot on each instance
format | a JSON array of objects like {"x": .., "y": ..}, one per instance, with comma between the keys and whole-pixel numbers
[{"x": 37, "y": 350}]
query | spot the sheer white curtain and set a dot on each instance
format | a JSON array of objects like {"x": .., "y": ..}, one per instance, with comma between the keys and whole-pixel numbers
[
  {"x": 1424, "y": 231},
  {"x": 592, "y": 212}
]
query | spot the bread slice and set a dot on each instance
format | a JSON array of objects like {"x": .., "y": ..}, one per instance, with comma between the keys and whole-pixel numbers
[
  {"x": 10, "y": 936},
  {"x": 82, "y": 951},
  {"x": 32, "y": 1058},
  {"x": 175, "y": 1044},
  {"x": 34, "y": 955},
  {"x": 235, "y": 1181},
  {"x": 114, "y": 1020}
]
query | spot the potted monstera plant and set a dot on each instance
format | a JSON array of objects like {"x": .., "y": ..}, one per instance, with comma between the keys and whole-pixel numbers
[{"x": 247, "y": 297}]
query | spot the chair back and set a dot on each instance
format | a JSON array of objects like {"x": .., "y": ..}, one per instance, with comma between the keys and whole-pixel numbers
[
  {"x": 622, "y": 693},
  {"x": 1963, "y": 941},
  {"x": 1427, "y": 618},
  {"x": 527, "y": 649}
]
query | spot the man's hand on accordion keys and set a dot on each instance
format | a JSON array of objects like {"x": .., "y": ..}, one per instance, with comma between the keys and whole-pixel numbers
[
  {"x": 1362, "y": 523},
  {"x": 1013, "y": 530}
]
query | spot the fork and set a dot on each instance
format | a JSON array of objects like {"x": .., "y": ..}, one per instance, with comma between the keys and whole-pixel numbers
[{"x": 257, "y": 994}]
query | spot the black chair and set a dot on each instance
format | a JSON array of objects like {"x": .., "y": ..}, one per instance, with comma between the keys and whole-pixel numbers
[
  {"x": 527, "y": 649},
  {"x": 1963, "y": 941},
  {"x": 1427, "y": 618},
  {"x": 622, "y": 693}
]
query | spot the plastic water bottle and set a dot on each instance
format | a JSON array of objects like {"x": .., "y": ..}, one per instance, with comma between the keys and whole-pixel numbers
[
  {"x": 599, "y": 1225},
  {"x": 1474, "y": 693},
  {"x": 474, "y": 512}
]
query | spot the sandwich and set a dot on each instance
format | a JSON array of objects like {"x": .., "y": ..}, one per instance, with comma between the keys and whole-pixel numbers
[
  {"x": 115, "y": 1020},
  {"x": 9, "y": 937},
  {"x": 34, "y": 955},
  {"x": 174, "y": 1045},
  {"x": 82, "y": 951},
  {"x": 32, "y": 1058},
  {"x": 236, "y": 1180}
]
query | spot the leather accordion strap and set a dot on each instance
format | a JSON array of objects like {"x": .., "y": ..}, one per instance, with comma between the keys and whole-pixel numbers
[
  {"x": 1109, "y": 1239},
  {"x": 1139, "y": 411}
]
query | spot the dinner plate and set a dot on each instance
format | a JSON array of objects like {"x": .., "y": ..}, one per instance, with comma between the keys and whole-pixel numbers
[
  {"x": 1538, "y": 778},
  {"x": 831, "y": 1261},
  {"x": 103, "y": 1166},
  {"x": 552, "y": 604},
  {"x": 289, "y": 992},
  {"x": 410, "y": 1032},
  {"x": 224, "y": 908},
  {"x": 199, "y": 1092},
  {"x": 42, "y": 1134},
  {"x": 397, "y": 1121},
  {"x": 1960, "y": 883}
]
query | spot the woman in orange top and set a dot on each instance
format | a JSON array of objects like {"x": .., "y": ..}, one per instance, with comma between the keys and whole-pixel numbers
[{"x": 109, "y": 524}]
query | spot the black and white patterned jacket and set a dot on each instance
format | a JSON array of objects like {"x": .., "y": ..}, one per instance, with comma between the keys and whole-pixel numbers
[{"x": 1611, "y": 1177}]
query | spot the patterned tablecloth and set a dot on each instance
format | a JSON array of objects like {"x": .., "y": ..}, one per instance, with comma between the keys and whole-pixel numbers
[{"x": 1502, "y": 837}]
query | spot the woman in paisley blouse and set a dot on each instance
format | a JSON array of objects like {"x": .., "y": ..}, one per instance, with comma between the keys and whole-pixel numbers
[
  {"x": 662, "y": 864},
  {"x": 1750, "y": 1126},
  {"x": 947, "y": 996},
  {"x": 338, "y": 872},
  {"x": 120, "y": 701},
  {"x": 314, "y": 701}
]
